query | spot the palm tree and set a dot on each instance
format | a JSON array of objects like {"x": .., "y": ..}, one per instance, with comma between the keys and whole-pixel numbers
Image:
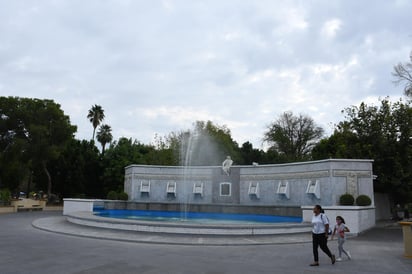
[
  {"x": 95, "y": 116},
  {"x": 104, "y": 136}
]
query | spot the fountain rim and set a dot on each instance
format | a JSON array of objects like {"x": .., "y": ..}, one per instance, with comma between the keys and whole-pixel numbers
[
  {"x": 244, "y": 224},
  {"x": 87, "y": 218},
  {"x": 262, "y": 165}
]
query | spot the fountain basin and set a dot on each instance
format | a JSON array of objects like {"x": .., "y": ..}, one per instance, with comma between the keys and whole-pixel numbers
[
  {"x": 186, "y": 228},
  {"x": 194, "y": 217}
]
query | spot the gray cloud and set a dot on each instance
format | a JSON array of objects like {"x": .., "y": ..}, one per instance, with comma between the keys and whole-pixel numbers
[{"x": 158, "y": 66}]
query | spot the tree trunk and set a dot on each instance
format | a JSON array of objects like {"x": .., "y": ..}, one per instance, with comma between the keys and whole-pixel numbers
[
  {"x": 103, "y": 148},
  {"x": 29, "y": 184},
  {"x": 49, "y": 182}
]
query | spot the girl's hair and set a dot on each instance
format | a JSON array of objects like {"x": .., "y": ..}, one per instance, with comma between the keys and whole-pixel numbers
[{"x": 340, "y": 218}]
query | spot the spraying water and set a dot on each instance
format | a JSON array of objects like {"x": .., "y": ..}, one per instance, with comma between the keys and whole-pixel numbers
[{"x": 197, "y": 149}]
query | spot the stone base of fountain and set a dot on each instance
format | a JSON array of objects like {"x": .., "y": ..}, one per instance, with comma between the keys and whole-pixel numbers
[
  {"x": 184, "y": 228},
  {"x": 59, "y": 224}
]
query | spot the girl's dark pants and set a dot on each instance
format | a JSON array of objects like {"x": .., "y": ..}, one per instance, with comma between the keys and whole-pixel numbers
[{"x": 320, "y": 240}]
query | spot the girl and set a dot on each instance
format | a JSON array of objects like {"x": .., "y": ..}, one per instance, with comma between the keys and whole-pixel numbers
[
  {"x": 320, "y": 235},
  {"x": 341, "y": 228}
]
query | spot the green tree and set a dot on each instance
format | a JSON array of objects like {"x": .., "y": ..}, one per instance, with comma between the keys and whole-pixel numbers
[
  {"x": 293, "y": 136},
  {"x": 38, "y": 129},
  {"x": 343, "y": 143},
  {"x": 205, "y": 144},
  {"x": 222, "y": 136},
  {"x": 120, "y": 154},
  {"x": 250, "y": 155},
  {"x": 380, "y": 133},
  {"x": 95, "y": 116},
  {"x": 402, "y": 73},
  {"x": 164, "y": 153},
  {"x": 78, "y": 170},
  {"x": 104, "y": 136},
  {"x": 14, "y": 166}
]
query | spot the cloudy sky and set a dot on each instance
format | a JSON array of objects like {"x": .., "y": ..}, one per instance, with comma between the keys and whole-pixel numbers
[{"x": 158, "y": 66}]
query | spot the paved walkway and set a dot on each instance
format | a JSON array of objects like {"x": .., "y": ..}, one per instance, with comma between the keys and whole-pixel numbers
[{"x": 25, "y": 249}]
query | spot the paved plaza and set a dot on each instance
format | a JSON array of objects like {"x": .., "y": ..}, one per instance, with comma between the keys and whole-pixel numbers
[{"x": 29, "y": 250}]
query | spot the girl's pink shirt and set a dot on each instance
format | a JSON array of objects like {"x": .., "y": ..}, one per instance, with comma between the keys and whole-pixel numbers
[{"x": 340, "y": 229}]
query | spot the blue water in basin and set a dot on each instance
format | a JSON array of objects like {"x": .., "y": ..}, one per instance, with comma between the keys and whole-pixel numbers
[{"x": 193, "y": 217}]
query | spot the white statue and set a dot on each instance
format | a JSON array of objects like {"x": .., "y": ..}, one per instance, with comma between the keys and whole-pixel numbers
[{"x": 226, "y": 165}]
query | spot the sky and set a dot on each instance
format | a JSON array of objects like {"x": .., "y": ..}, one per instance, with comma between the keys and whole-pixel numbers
[{"x": 157, "y": 67}]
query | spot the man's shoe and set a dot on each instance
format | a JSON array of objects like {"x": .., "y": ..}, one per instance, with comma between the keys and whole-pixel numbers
[
  {"x": 314, "y": 264},
  {"x": 349, "y": 256},
  {"x": 339, "y": 259},
  {"x": 333, "y": 259}
]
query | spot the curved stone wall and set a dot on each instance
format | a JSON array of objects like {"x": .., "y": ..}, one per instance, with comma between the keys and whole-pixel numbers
[{"x": 285, "y": 185}]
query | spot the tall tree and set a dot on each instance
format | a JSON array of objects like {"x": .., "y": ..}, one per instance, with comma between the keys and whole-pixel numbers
[
  {"x": 205, "y": 144},
  {"x": 382, "y": 133},
  {"x": 222, "y": 137},
  {"x": 37, "y": 129},
  {"x": 13, "y": 168},
  {"x": 78, "y": 170},
  {"x": 250, "y": 155},
  {"x": 343, "y": 143},
  {"x": 293, "y": 136},
  {"x": 104, "y": 136},
  {"x": 120, "y": 154},
  {"x": 95, "y": 116},
  {"x": 403, "y": 75}
]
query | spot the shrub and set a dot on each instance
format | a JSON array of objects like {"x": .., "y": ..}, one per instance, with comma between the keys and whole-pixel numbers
[
  {"x": 112, "y": 195},
  {"x": 346, "y": 199},
  {"x": 5, "y": 195},
  {"x": 363, "y": 200},
  {"x": 122, "y": 196}
]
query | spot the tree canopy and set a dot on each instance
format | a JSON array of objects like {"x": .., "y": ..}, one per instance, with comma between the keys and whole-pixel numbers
[
  {"x": 402, "y": 73},
  {"x": 104, "y": 136},
  {"x": 95, "y": 116},
  {"x": 37, "y": 147},
  {"x": 293, "y": 136},
  {"x": 382, "y": 133},
  {"x": 33, "y": 132},
  {"x": 204, "y": 144}
]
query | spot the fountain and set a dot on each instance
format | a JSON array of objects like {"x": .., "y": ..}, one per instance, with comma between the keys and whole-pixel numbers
[{"x": 195, "y": 187}]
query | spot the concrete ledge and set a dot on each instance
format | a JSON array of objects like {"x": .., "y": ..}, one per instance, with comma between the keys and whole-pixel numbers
[
  {"x": 75, "y": 205},
  {"x": 60, "y": 225},
  {"x": 88, "y": 219},
  {"x": 357, "y": 218}
]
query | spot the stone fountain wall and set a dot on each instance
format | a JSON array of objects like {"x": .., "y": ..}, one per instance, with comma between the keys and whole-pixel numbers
[{"x": 250, "y": 189}]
